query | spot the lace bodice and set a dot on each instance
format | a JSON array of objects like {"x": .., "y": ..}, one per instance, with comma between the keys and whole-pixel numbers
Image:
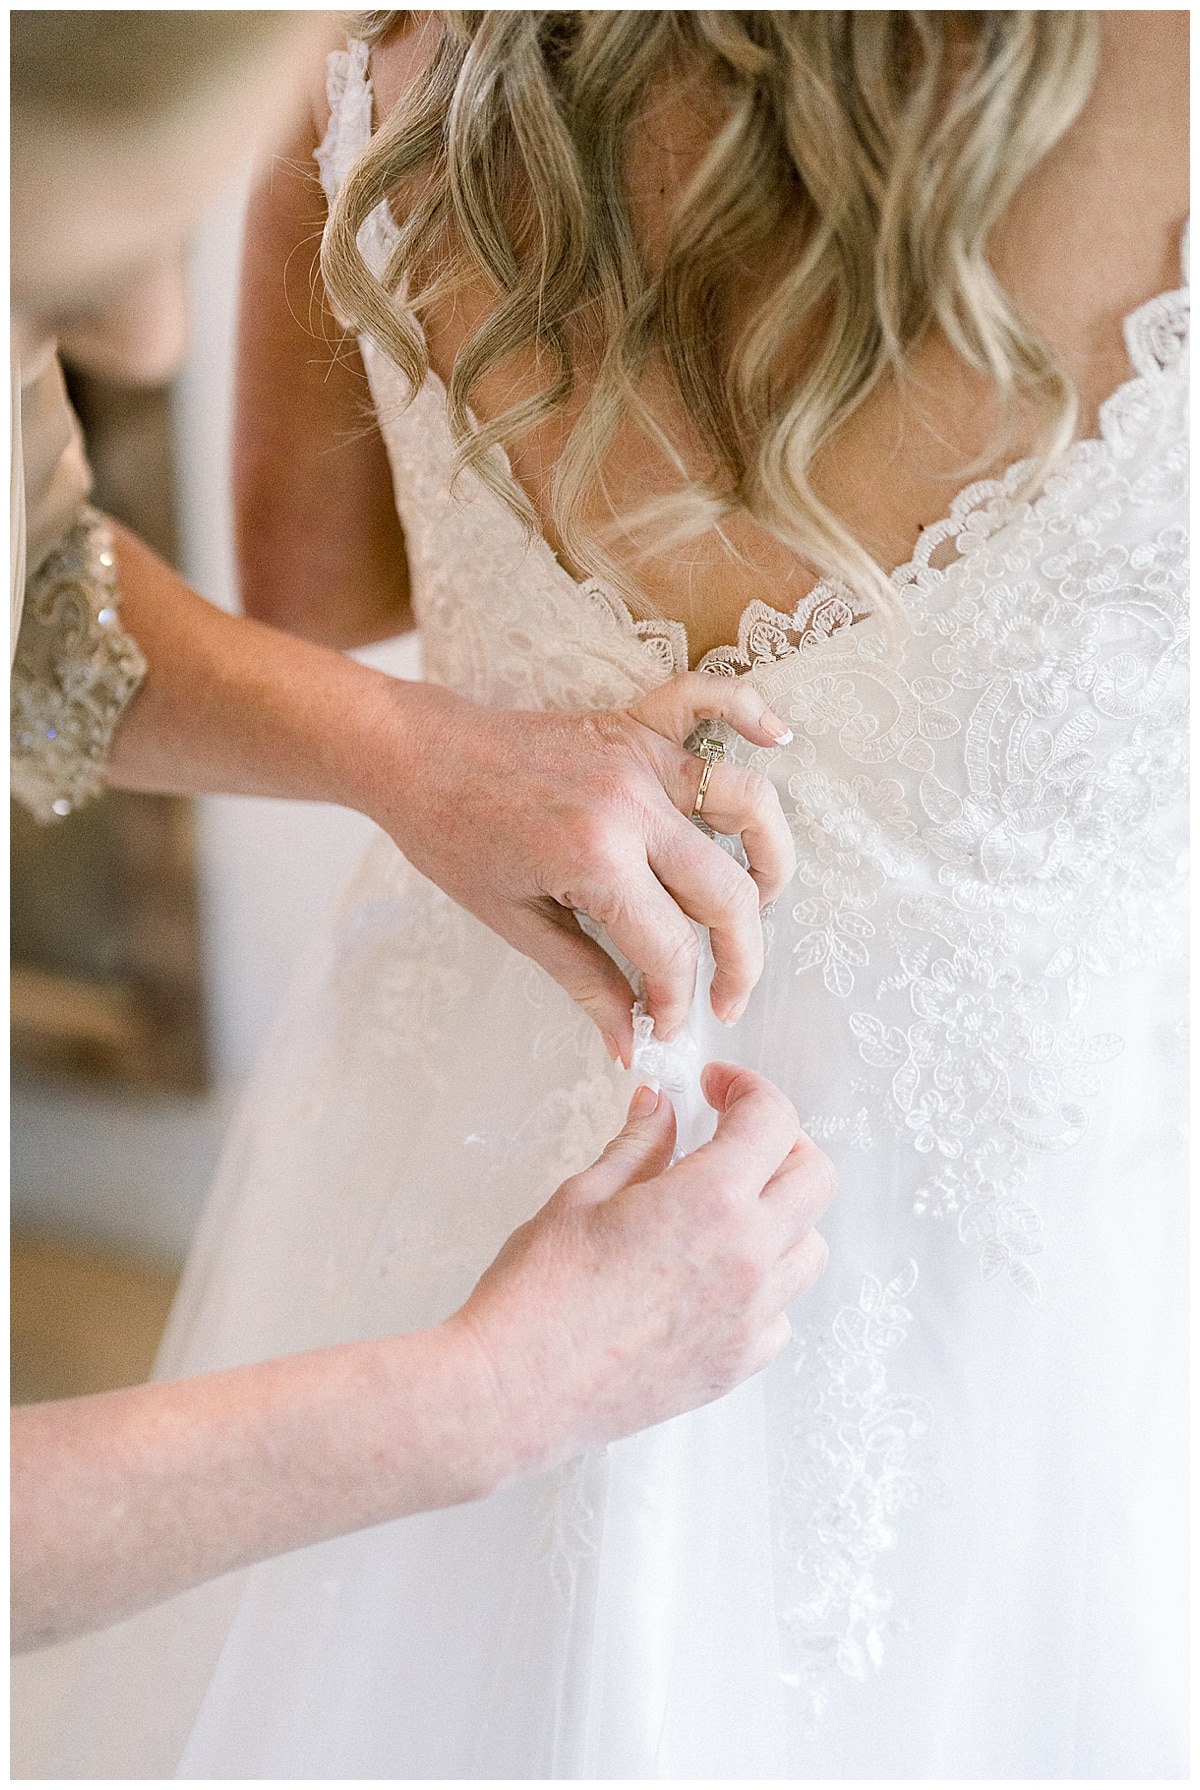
[
  {"x": 981, "y": 813},
  {"x": 989, "y": 816}
]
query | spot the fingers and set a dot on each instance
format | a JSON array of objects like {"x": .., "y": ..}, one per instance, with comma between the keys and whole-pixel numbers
[
  {"x": 742, "y": 801},
  {"x": 795, "y": 1273},
  {"x": 640, "y": 1150},
  {"x": 756, "y": 1131},
  {"x": 675, "y": 707},
  {"x": 772, "y": 1342},
  {"x": 798, "y": 1269},
  {"x": 552, "y": 936},
  {"x": 801, "y": 1190},
  {"x": 717, "y": 893},
  {"x": 646, "y": 926}
]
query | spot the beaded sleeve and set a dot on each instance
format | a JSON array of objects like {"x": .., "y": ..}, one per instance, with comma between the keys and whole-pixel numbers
[{"x": 74, "y": 673}]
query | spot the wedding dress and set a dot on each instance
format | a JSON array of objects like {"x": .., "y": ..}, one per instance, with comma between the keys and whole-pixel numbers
[{"x": 942, "y": 1536}]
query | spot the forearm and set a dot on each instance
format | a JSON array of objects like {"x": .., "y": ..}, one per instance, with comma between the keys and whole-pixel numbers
[
  {"x": 126, "y": 1498},
  {"x": 230, "y": 706}
]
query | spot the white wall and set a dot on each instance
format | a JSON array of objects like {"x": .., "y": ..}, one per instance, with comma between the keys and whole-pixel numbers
[{"x": 128, "y": 1170}]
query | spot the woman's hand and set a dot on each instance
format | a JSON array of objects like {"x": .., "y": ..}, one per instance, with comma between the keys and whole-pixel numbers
[
  {"x": 642, "y": 1290},
  {"x": 638, "y": 1291},
  {"x": 528, "y": 819}
]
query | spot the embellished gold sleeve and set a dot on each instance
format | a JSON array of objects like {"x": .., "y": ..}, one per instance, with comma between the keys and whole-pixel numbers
[{"x": 74, "y": 672}]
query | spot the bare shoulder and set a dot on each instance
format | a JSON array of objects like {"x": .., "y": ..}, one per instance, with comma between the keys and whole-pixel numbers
[
  {"x": 400, "y": 55},
  {"x": 1094, "y": 231},
  {"x": 317, "y": 96}
]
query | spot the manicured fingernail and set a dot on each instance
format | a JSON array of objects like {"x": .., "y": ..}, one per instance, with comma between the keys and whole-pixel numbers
[
  {"x": 779, "y": 730},
  {"x": 614, "y": 1055},
  {"x": 734, "y": 1014},
  {"x": 644, "y": 1102}
]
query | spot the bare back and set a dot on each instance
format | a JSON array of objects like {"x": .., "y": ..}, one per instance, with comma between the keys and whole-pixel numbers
[{"x": 1091, "y": 235}]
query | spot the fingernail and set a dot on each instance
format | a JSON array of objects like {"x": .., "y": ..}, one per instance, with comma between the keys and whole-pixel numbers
[
  {"x": 644, "y": 1102},
  {"x": 614, "y": 1054},
  {"x": 779, "y": 730},
  {"x": 734, "y": 1014}
]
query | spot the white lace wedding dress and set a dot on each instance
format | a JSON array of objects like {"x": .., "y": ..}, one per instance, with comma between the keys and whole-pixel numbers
[{"x": 944, "y": 1535}]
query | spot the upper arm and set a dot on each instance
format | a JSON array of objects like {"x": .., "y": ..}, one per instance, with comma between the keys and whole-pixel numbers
[{"x": 320, "y": 548}]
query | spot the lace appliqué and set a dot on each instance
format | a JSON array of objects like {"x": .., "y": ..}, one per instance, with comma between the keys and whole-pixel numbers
[
  {"x": 856, "y": 1456},
  {"x": 664, "y": 642},
  {"x": 74, "y": 673},
  {"x": 766, "y": 635},
  {"x": 400, "y": 972},
  {"x": 1001, "y": 829},
  {"x": 567, "y": 1515}
]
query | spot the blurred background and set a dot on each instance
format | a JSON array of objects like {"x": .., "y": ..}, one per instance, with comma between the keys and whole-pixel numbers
[{"x": 152, "y": 937}]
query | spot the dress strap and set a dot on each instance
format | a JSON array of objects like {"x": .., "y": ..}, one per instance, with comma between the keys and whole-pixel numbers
[
  {"x": 348, "y": 88},
  {"x": 1157, "y": 333}
]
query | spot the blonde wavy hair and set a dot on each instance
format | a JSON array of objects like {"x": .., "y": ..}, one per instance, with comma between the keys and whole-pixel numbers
[{"x": 864, "y": 156}]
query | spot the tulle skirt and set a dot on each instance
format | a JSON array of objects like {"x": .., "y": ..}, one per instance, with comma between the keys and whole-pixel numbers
[{"x": 942, "y": 1536}]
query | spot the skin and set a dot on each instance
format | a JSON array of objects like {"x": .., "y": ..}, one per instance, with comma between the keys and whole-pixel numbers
[
  {"x": 100, "y": 219},
  {"x": 639, "y": 1290},
  {"x": 1091, "y": 234},
  {"x": 228, "y": 708},
  {"x": 522, "y": 818}
]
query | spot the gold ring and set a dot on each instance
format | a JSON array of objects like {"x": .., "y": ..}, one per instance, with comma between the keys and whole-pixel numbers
[{"x": 712, "y": 752}]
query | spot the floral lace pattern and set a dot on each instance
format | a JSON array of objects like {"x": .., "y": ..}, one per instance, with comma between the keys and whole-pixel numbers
[
  {"x": 766, "y": 635},
  {"x": 567, "y": 1513},
  {"x": 74, "y": 673},
  {"x": 401, "y": 973},
  {"x": 1025, "y": 838},
  {"x": 857, "y": 1456}
]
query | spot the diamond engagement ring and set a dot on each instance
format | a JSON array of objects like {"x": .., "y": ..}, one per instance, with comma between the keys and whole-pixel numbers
[{"x": 712, "y": 752}]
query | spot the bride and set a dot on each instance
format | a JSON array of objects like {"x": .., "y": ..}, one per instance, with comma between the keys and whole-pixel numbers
[{"x": 681, "y": 331}]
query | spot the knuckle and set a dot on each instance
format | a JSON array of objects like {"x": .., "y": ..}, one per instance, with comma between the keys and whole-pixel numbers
[
  {"x": 812, "y": 1261},
  {"x": 738, "y": 895},
  {"x": 609, "y": 730},
  {"x": 679, "y": 954},
  {"x": 745, "y": 895},
  {"x": 591, "y": 836},
  {"x": 743, "y": 1272},
  {"x": 821, "y": 1174},
  {"x": 569, "y": 1191},
  {"x": 760, "y": 791},
  {"x": 778, "y": 1110},
  {"x": 617, "y": 793},
  {"x": 750, "y": 791}
]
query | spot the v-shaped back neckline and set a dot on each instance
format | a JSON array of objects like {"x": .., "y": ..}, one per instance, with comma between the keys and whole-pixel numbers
[{"x": 829, "y": 605}]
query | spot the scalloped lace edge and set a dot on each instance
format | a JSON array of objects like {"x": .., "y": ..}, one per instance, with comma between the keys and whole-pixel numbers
[{"x": 792, "y": 632}]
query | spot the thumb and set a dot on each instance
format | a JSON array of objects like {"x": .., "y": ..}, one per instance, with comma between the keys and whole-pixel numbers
[{"x": 640, "y": 1150}]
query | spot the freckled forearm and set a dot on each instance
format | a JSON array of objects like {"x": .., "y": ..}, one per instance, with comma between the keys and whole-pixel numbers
[
  {"x": 231, "y": 706},
  {"x": 126, "y": 1498}
]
